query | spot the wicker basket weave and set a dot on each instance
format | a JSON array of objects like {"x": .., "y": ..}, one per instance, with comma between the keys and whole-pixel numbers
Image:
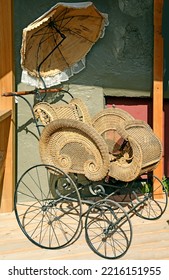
[
  {"x": 111, "y": 143},
  {"x": 106, "y": 123},
  {"x": 141, "y": 153},
  {"x": 45, "y": 112},
  {"x": 82, "y": 110},
  {"x": 75, "y": 147},
  {"x": 48, "y": 112},
  {"x": 150, "y": 144},
  {"x": 75, "y": 110}
]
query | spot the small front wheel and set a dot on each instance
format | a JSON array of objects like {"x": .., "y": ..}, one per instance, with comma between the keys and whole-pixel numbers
[{"x": 108, "y": 229}]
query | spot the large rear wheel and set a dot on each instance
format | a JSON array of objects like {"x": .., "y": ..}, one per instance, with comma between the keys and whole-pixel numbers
[
  {"x": 49, "y": 221},
  {"x": 150, "y": 198}
]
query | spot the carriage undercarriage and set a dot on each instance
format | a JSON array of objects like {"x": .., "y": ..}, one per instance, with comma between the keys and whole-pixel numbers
[{"x": 53, "y": 209}]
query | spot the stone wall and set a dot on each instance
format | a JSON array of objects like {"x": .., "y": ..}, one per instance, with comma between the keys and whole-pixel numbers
[{"x": 120, "y": 64}]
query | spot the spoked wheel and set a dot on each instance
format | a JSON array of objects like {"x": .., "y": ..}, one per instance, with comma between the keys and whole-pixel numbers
[
  {"x": 108, "y": 229},
  {"x": 150, "y": 199},
  {"x": 48, "y": 221}
]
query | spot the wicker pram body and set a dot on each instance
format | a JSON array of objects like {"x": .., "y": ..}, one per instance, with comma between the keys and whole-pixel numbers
[
  {"x": 111, "y": 143},
  {"x": 90, "y": 172}
]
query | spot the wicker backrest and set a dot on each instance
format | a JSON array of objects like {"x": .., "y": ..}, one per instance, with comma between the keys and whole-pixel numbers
[
  {"x": 48, "y": 112},
  {"x": 106, "y": 123},
  {"x": 75, "y": 110},
  {"x": 141, "y": 151},
  {"x": 149, "y": 143},
  {"x": 75, "y": 147},
  {"x": 82, "y": 110}
]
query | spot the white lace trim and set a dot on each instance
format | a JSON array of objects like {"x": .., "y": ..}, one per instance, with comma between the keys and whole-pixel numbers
[{"x": 52, "y": 80}]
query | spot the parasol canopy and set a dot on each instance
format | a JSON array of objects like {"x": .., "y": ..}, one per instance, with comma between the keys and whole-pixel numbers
[{"x": 55, "y": 45}]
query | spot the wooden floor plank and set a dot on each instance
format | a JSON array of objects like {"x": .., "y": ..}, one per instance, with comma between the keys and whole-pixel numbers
[{"x": 150, "y": 242}]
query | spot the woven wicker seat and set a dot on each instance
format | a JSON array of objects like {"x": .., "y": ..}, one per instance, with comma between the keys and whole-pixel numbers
[
  {"x": 75, "y": 110},
  {"x": 106, "y": 123},
  {"x": 75, "y": 147},
  {"x": 48, "y": 112},
  {"x": 141, "y": 151}
]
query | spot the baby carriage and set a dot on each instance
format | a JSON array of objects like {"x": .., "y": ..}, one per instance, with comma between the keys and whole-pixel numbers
[{"x": 95, "y": 171}]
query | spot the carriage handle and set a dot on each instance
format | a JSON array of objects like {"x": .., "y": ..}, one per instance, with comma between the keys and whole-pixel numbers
[{"x": 35, "y": 91}]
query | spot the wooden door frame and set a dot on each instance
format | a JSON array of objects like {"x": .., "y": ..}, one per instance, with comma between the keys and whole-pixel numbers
[
  {"x": 7, "y": 104},
  {"x": 158, "y": 117}
]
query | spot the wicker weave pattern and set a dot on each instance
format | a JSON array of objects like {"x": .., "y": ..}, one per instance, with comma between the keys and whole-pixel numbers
[
  {"x": 112, "y": 143},
  {"x": 75, "y": 147},
  {"x": 45, "y": 112},
  {"x": 126, "y": 165},
  {"x": 75, "y": 110},
  {"x": 141, "y": 154},
  {"x": 48, "y": 112},
  {"x": 149, "y": 143},
  {"x": 65, "y": 111},
  {"x": 109, "y": 116},
  {"x": 82, "y": 110},
  {"x": 106, "y": 123}
]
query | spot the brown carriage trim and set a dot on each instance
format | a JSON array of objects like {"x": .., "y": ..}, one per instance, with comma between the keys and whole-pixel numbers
[
  {"x": 110, "y": 116},
  {"x": 127, "y": 165}
]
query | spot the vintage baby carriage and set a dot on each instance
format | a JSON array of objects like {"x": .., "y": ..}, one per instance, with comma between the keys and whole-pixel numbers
[{"x": 95, "y": 171}]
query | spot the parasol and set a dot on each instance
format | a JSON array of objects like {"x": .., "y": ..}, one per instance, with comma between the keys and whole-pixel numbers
[{"x": 55, "y": 45}]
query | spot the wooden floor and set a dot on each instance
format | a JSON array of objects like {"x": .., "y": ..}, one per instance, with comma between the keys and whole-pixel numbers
[{"x": 150, "y": 242}]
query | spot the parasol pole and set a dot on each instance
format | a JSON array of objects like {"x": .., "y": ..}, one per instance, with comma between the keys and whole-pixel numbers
[
  {"x": 52, "y": 25},
  {"x": 50, "y": 53}
]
